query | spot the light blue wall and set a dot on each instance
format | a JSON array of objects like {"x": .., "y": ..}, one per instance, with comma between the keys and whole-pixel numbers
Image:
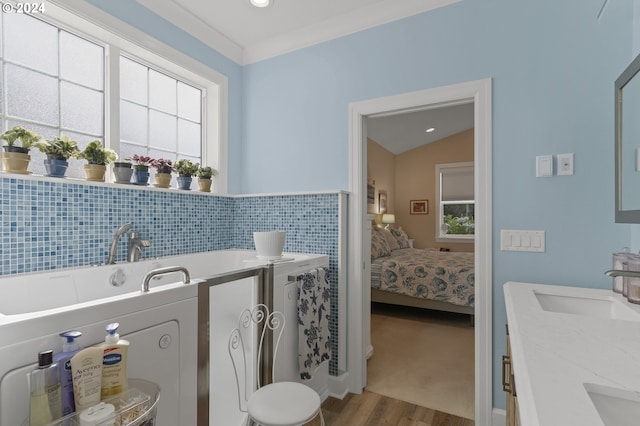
[
  {"x": 134, "y": 14},
  {"x": 553, "y": 65}
]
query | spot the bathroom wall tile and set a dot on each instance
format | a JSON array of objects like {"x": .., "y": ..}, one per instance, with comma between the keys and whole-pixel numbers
[{"x": 47, "y": 225}]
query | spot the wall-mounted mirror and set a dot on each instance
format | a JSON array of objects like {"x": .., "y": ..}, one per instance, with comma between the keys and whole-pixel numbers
[{"x": 627, "y": 140}]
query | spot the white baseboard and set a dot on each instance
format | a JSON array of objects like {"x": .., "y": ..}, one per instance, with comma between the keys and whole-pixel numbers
[
  {"x": 338, "y": 386},
  {"x": 499, "y": 417}
]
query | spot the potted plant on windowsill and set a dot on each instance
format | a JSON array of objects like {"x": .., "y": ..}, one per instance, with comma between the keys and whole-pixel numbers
[
  {"x": 58, "y": 151},
  {"x": 186, "y": 169},
  {"x": 164, "y": 168},
  {"x": 204, "y": 178},
  {"x": 141, "y": 168},
  {"x": 15, "y": 159},
  {"x": 122, "y": 171},
  {"x": 97, "y": 158}
]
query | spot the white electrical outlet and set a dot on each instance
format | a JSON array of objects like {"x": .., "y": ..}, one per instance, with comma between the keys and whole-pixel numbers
[{"x": 565, "y": 164}]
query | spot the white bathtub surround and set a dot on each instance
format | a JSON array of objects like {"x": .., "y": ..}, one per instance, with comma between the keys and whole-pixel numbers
[
  {"x": 560, "y": 357},
  {"x": 161, "y": 325}
]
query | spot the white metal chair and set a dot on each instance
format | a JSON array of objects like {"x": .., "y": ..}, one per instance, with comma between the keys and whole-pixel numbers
[{"x": 277, "y": 403}]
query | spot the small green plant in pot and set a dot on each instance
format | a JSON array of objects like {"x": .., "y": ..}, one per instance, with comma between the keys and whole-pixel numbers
[
  {"x": 204, "y": 178},
  {"x": 186, "y": 169},
  {"x": 98, "y": 157},
  {"x": 15, "y": 159},
  {"x": 27, "y": 138},
  {"x": 58, "y": 151}
]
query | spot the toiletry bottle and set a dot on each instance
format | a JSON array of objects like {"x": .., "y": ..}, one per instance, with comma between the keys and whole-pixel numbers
[
  {"x": 44, "y": 385},
  {"x": 86, "y": 366},
  {"x": 69, "y": 348},
  {"x": 114, "y": 364}
]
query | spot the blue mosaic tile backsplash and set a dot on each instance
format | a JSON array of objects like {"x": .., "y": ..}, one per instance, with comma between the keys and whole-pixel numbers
[{"x": 47, "y": 225}]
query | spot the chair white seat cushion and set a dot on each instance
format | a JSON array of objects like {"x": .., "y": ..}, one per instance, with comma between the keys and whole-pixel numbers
[{"x": 283, "y": 404}]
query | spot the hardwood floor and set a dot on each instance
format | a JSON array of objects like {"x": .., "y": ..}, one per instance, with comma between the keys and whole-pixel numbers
[{"x": 371, "y": 409}]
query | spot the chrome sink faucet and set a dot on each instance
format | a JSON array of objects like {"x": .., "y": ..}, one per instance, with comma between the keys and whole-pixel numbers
[
  {"x": 135, "y": 246},
  {"x": 114, "y": 244}
]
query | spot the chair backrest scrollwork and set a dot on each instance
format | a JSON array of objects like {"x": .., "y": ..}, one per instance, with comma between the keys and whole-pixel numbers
[{"x": 265, "y": 329}]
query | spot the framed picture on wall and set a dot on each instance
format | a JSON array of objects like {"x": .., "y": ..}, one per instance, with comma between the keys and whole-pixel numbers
[
  {"x": 419, "y": 207},
  {"x": 371, "y": 192},
  {"x": 382, "y": 202}
]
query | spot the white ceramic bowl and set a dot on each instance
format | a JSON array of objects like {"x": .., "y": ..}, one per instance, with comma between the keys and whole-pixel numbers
[{"x": 269, "y": 245}]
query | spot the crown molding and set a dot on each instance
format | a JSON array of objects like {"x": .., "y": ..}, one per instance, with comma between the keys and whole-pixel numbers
[
  {"x": 193, "y": 25},
  {"x": 361, "y": 19}
]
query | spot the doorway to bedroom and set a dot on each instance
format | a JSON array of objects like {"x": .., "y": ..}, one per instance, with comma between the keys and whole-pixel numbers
[
  {"x": 420, "y": 165},
  {"x": 477, "y": 93}
]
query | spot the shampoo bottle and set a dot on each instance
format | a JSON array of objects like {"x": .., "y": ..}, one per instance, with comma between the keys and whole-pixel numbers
[
  {"x": 114, "y": 363},
  {"x": 69, "y": 348},
  {"x": 44, "y": 386}
]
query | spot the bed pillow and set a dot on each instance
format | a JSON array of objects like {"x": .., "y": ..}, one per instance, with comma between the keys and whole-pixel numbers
[
  {"x": 379, "y": 245},
  {"x": 401, "y": 237},
  {"x": 391, "y": 240}
]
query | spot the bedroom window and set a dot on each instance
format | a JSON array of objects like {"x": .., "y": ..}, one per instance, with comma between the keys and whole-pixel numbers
[
  {"x": 456, "y": 205},
  {"x": 61, "y": 74}
]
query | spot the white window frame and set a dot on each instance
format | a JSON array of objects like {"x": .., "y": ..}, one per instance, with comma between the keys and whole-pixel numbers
[
  {"x": 98, "y": 26},
  {"x": 450, "y": 238}
]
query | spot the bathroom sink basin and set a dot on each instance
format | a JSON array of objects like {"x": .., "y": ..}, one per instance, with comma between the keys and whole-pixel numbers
[
  {"x": 608, "y": 308},
  {"x": 616, "y": 407}
]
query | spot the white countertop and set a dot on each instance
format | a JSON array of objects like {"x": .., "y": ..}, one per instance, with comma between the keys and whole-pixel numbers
[{"x": 554, "y": 354}]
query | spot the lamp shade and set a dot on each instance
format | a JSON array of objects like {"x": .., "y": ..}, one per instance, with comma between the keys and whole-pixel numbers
[{"x": 388, "y": 218}]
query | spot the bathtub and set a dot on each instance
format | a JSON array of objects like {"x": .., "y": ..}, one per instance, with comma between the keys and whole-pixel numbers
[{"x": 162, "y": 324}]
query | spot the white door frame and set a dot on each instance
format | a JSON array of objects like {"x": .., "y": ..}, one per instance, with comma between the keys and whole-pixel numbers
[{"x": 359, "y": 294}]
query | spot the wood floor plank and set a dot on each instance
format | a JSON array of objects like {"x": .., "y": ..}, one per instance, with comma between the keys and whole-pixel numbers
[{"x": 371, "y": 409}]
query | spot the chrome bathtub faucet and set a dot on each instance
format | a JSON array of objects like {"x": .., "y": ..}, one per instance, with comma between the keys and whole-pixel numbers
[
  {"x": 135, "y": 246},
  {"x": 114, "y": 244}
]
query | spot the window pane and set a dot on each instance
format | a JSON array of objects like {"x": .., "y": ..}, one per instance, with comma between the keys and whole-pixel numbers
[
  {"x": 133, "y": 123},
  {"x": 189, "y": 102},
  {"x": 32, "y": 95},
  {"x": 162, "y": 130},
  {"x": 31, "y": 42},
  {"x": 189, "y": 138},
  {"x": 127, "y": 150},
  {"x": 162, "y": 92},
  {"x": 81, "y": 61},
  {"x": 459, "y": 218},
  {"x": 82, "y": 108},
  {"x": 133, "y": 81}
]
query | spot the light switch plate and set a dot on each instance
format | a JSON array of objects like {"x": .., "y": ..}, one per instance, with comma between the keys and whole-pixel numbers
[
  {"x": 518, "y": 240},
  {"x": 544, "y": 165},
  {"x": 565, "y": 164}
]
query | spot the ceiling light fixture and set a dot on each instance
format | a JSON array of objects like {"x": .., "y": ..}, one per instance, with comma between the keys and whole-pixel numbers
[
  {"x": 430, "y": 129},
  {"x": 260, "y": 3}
]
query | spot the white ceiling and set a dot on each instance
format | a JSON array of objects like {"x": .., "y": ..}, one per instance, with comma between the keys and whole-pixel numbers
[
  {"x": 248, "y": 34},
  {"x": 405, "y": 131}
]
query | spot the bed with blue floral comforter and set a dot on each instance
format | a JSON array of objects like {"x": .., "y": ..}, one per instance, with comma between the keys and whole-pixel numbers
[{"x": 427, "y": 274}]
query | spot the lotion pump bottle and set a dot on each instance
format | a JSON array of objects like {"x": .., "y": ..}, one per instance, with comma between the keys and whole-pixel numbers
[
  {"x": 69, "y": 348},
  {"x": 44, "y": 385},
  {"x": 114, "y": 364}
]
